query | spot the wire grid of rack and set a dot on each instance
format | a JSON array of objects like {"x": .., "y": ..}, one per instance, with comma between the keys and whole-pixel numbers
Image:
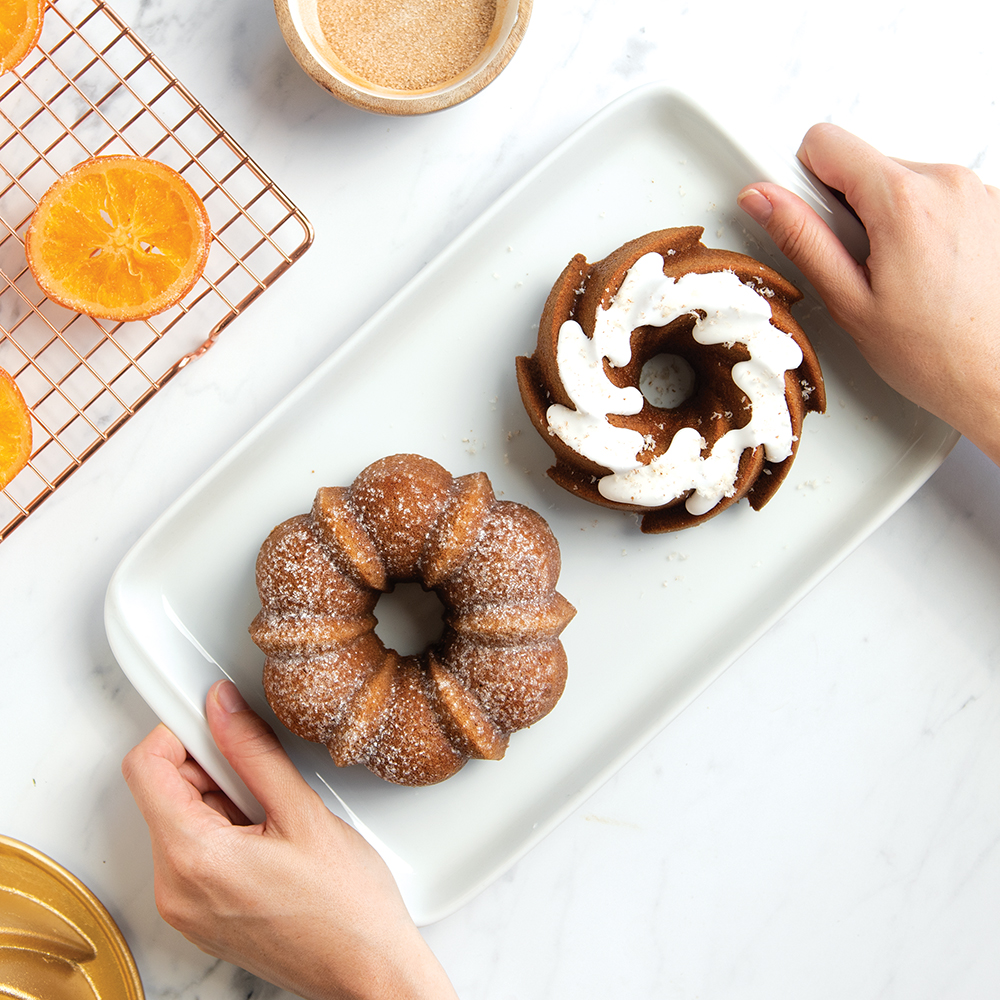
[{"x": 90, "y": 88}]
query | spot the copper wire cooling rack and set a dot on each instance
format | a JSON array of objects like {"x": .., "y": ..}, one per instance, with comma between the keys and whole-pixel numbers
[{"x": 91, "y": 87}]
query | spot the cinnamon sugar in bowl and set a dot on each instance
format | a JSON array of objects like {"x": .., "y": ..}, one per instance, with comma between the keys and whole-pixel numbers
[{"x": 403, "y": 57}]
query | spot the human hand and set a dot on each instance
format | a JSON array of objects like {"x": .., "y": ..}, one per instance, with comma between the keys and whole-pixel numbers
[
  {"x": 300, "y": 900},
  {"x": 925, "y": 307}
]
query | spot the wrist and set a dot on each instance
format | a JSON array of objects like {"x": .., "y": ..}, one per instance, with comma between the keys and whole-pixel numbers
[
  {"x": 410, "y": 972},
  {"x": 976, "y": 415}
]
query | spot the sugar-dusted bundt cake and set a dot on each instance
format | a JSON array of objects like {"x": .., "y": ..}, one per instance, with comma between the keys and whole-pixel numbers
[
  {"x": 498, "y": 667},
  {"x": 670, "y": 379}
]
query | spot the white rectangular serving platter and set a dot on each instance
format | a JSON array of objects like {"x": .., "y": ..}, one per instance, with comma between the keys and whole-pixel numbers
[{"x": 433, "y": 372}]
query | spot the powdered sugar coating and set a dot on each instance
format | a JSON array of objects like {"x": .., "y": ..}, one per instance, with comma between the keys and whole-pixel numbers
[
  {"x": 295, "y": 576},
  {"x": 499, "y": 665}
]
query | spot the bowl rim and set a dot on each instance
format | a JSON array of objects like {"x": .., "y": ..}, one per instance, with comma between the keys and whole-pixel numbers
[{"x": 386, "y": 101}]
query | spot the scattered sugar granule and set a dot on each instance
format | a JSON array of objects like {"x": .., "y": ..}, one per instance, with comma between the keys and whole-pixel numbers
[{"x": 407, "y": 46}]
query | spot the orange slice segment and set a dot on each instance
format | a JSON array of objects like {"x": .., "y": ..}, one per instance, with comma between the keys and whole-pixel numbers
[
  {"x": 120, "y": 237},
  {"x": 15, "y": 430},
  {"x": 20, "y": 26}
]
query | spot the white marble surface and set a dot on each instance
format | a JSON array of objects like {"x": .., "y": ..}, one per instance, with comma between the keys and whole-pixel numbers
[{"x": 824, "y": 821}]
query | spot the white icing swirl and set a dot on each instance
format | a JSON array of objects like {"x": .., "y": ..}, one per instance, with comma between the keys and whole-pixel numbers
[{"x": 734, "y": 313}]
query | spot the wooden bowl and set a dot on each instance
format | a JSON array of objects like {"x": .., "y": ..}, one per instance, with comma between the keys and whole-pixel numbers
[{"x": 303, "y": 30}]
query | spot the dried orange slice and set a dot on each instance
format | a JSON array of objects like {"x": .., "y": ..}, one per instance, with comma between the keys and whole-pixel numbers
[
  {"x": 121, "y": 237},
  {"x": 20, "y": 26},
  {"x": 15, "y": 430}
]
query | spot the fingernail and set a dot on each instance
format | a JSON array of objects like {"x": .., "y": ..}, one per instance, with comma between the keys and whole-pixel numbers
[
  {"x": 755, "y": 205},
  {"x": 230, "y": 698}
]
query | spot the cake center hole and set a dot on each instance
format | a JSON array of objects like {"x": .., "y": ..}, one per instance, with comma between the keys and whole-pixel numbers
[
  {"x": 409, "y": 619},
  {"x": 666, "y": 380}
]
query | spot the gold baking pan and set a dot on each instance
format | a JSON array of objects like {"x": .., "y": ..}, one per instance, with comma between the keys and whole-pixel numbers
[{"x": 57, "y": 942}]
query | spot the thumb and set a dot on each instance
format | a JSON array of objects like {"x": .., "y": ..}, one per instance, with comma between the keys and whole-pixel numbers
[
  {"x": 806, "y": 240},
  {"x": 250, "y": 746}
]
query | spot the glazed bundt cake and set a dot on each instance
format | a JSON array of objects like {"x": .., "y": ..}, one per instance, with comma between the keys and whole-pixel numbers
[
  {"x": 498, "y": 667},
  {"x": 670, "y": 379}
]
